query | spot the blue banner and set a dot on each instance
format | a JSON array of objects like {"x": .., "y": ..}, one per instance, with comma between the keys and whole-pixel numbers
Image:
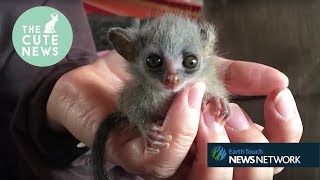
[{"x": 264, "y": 155}]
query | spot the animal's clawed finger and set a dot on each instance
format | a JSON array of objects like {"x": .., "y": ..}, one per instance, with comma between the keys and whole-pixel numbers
[
  {"x": 221, "y": 109},
  {"x": 156, "y": 139}
]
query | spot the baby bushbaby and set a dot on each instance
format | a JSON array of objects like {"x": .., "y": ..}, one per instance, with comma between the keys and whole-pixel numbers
[{"x": 164, "y": 55}]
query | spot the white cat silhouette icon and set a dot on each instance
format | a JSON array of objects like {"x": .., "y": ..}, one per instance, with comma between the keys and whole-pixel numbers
[{"x": 49, "y": 28}]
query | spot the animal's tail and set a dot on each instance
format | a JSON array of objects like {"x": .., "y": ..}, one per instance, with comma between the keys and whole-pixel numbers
[{"x": 98, "y": 149}]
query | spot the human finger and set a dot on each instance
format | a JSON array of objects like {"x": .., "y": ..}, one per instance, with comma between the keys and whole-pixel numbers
[
  {"x": 282, "y": 120},
  {"x": 181, "y": 123},
  {"x": 209, "y": 131},
  {"x": 241, "y": 129},
  {"x": 250, "y": 79}
]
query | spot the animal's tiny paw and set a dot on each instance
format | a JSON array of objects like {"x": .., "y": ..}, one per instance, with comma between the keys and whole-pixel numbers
[
  {"x": 221, "y": 109},
  {"x": 156, "y": 139}
]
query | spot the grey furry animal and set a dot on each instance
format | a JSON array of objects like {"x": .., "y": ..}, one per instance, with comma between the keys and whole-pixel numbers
[{"x": 165, "y": 55}]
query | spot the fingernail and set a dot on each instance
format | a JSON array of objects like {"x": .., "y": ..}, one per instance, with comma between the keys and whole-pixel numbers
[
  {"x": 285, "y": 104},
  {"x": 238, "y": 119},
  {"x": 210, "y": 120},
  {"x": 196, "y": 93}
]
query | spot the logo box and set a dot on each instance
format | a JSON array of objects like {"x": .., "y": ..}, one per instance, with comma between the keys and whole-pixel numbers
[
  {"x": 42, "y": 36},
  {"x": 263, "y": 154}
]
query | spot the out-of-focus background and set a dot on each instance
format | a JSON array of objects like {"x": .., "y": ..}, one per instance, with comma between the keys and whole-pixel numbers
[
  {"x": 123, "y": 13},
  {"x": 282, "y": 34}
]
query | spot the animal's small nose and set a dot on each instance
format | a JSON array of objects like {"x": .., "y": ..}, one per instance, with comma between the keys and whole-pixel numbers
[{"x": 173, "y": 79}]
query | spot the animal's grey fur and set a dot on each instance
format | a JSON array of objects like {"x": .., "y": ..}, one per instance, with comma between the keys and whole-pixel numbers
[
  {"x": 171, "y": 36},
  {"x": 144, "y": 100}
]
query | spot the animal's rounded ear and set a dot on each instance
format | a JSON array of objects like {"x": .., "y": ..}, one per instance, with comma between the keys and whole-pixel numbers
[
  {"x": 123, "y": 42},
  {"x": 116, "y": 34},
  {"x": 207, "y": 31},
  {"x": 208, "y": 35},
  {"x": 203, "y": 33}
]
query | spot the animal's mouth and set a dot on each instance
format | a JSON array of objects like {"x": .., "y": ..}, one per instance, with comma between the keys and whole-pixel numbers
[
  {"x": 173, "y": 87},
  {"x": 169, "y": 85}
]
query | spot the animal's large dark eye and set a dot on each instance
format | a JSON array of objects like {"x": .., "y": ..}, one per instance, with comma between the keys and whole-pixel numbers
[
  {"x": 154, "y": 61},
  {"x": 190, "y": 62}
]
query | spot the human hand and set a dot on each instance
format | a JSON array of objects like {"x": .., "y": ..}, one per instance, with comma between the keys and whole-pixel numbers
[
  {"x": 282, "y": 124},
  {"x": 80, "y": 104}
]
